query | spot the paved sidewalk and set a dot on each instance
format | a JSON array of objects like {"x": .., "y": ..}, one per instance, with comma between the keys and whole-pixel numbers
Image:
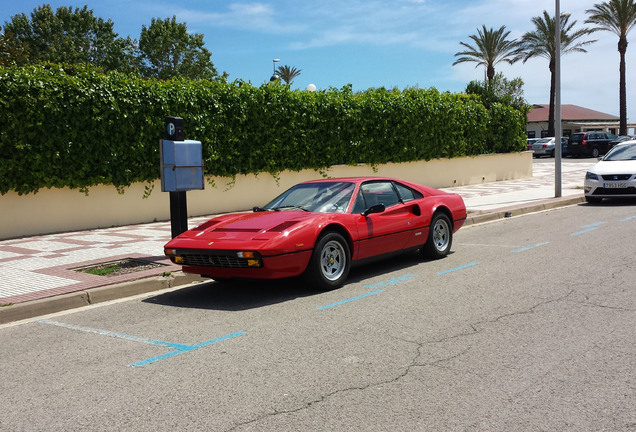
[{"x": 45, "y": 266}]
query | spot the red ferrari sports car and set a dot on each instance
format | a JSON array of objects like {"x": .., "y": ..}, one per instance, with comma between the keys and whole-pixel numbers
[{"x": 318, "y": 229}]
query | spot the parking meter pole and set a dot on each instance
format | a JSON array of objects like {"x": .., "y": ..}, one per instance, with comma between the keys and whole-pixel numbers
[
  {"x": 178, "y": 213},
  {"x": 181, "y": 171}
]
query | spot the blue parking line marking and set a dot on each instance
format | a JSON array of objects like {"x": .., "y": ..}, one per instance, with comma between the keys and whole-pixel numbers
[
  {"x": 595, "y": 224},
  {"x": 113, "y": 334},
  {"x": 185, "y": 349},
  {"x": 338, "y": 303},
  {"x": 529, "y": 247},
  {"x": 629, "y": 218},
  {"x": 178, "y": 348},
  {"x": 391, "y": 281},
  {"x": 458, "y": 268},
  {"x": 584, "y": 231}
]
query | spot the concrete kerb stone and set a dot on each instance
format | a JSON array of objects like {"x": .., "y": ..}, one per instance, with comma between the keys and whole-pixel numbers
[
  {"x": 45, "y": 306},
  {"x": 63, "y": 302},
  {"x": 483, "y": 217}
]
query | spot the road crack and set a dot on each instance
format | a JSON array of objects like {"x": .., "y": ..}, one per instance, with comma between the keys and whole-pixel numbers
[{"x": 416, "y": 361}]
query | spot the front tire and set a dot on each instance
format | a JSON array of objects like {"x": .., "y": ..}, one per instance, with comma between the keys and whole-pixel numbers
[
  {"x": 440, "y": 237},
  {"x": 330, "y": 262}
]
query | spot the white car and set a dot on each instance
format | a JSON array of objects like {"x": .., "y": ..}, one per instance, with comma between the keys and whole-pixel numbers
[{"x": 614, "y": 175}]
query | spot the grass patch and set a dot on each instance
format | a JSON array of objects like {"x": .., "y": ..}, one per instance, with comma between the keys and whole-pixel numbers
[
  {"x": 104, "y": 271},
  {"x": 119, "y": 267}
]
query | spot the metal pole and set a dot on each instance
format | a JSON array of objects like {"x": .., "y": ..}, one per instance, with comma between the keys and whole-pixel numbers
[
  {"x": 557, "y": 100},
  {"x": 178, "y": 213}
]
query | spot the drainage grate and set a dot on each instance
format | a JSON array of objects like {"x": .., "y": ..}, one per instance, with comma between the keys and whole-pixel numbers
[{"x": 118, "y": 267}]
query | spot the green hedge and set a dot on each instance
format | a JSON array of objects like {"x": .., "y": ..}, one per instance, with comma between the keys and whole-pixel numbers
[{"x": 76, "y": 127}]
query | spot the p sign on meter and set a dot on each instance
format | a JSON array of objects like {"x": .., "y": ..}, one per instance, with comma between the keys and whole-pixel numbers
[{"x": 174, "y": 129}]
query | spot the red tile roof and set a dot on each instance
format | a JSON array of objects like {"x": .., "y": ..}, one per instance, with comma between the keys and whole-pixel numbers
[{"x": 539, "y": 113}]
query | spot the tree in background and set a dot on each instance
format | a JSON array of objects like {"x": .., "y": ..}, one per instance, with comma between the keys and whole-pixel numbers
[
  {"x": 541, "y": 43},
  {"x": 287, "y": 73},
  {"x": 167, "y": 50},
  {"x": 500, "y": 89},
  {"x": 65, "y": 36},
  {"x": 491, "y": 47},
  {"x": 11, "y": 53},
  {"x": 619, "y": 17}
]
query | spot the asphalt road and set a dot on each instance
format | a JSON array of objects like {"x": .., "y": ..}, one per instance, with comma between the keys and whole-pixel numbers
[{"x": 529, "y": 325}]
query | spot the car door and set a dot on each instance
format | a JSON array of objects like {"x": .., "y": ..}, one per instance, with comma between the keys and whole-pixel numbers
[{"x": 384, "y": 232}]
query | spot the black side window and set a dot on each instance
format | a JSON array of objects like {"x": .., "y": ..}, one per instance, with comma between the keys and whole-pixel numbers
[
  {"x": 406, "y": 193},
  {"x": 359, "y": 206},
  {"x": 379, "y": 192}
]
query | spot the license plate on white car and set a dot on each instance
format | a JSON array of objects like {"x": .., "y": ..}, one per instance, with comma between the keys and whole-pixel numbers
[{"x": 617, "y": 185}]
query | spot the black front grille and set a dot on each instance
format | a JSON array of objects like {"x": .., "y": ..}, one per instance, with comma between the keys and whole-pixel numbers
[
  {"x": 224, "y": 260},
  {"x": 617, "y": 176},
  {"x": 615, "y": 191}
]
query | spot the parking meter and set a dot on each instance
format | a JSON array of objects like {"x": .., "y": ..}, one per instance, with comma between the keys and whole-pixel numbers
[{"x": 181, "y": 171}]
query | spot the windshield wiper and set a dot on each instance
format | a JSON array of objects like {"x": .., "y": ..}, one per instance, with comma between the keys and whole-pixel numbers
[
  {"x": 258, "y": 209},
  {"x": 290, "y": 207}
]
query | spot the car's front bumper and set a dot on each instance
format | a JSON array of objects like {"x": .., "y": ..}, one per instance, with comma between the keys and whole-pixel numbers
[
  {"x": 269, "y": 267},
  {"x": 603, "y": 187}
]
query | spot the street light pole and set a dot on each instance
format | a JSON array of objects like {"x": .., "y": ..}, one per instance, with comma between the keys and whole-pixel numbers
[
  {"x": 557, "y": 99},
  {"x": 274, "y": 76}
]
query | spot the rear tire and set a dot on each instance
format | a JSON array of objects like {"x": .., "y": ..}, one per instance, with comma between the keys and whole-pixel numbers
[
  {"x": 440, "y": 237},
  {"x": 330, "y": 262},
  {"x": 595, "y": 152}
]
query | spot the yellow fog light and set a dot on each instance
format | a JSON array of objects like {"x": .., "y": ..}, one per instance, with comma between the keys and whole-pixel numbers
[
  {"x": 178, "y": 260},
  {"x": 253, "y": 263}
]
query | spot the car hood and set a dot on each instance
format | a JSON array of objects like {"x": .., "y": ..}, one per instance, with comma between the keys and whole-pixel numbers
[
  {"x": 242, "y": 227},
  {"x": 614, "y": 167}
]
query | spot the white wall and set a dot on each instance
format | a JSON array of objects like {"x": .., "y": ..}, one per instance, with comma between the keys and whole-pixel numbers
[{"x": 61, "y": 210}]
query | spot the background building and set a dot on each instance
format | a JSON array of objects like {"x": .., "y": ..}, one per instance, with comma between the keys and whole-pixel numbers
[{"x": 573, "y": 119}]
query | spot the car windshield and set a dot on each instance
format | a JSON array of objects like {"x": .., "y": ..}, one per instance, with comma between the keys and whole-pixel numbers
[
  {"x": 621, "y": 152},
  {"x": 544, "y": 140},
  {"x": 323, "y": 197}
]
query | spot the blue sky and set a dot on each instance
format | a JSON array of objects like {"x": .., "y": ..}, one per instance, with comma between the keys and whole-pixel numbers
[{"x": 372, "y": 43}]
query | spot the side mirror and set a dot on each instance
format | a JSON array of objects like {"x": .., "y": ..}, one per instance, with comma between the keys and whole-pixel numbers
[{"x": 378, "y": 208}]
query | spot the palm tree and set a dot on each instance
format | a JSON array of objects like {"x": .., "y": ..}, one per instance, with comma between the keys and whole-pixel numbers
[
  {"x": 541, "y": 43},
  {"x": 618, "y": 16},
  {"x": 491, "y": 47},
  {"x": 287, "y": 73}
]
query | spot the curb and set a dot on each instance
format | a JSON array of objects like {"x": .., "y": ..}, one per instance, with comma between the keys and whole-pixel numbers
[
  {"x": 45, "y": 306},
  {"x": 505, "y": 213}
]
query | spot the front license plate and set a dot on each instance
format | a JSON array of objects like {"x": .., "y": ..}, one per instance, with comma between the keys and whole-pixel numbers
[{"x": 616, "y": 185}]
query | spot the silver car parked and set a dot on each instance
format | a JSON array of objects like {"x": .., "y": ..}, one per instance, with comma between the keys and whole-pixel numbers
[{"x": 543, "y": 147}]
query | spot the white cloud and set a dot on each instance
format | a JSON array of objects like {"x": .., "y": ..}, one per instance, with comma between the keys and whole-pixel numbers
[{"x": 256, "y": 17}]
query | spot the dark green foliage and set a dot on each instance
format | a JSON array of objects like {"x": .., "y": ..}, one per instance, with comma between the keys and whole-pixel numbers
[
  {"x": 76, "y": 127},
  {"x": 168, "y": 50},
  {"x": 65, "y": 35}
]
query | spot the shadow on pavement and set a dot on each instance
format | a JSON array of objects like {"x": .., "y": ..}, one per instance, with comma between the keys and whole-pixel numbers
[
  {"x": 613, "y": 202},
  {"x": 239, "y": 295}
]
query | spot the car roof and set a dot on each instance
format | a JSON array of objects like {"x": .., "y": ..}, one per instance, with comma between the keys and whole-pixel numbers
[
  {"x": 350, "y": 179},
  {"x": 626, "y": 143},
  {"x": 362, "y": 179}
]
